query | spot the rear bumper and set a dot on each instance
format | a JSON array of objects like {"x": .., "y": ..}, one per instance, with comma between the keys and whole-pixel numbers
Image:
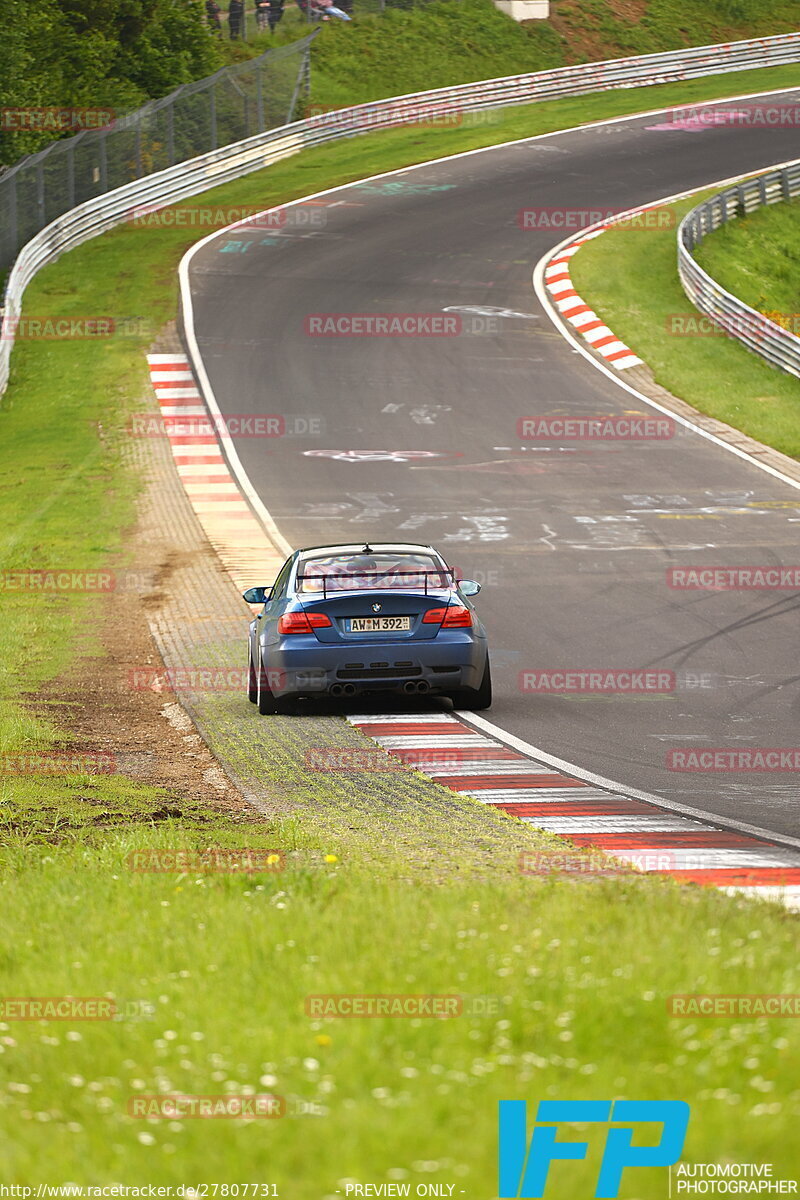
[{"x": 455, "y": 661}]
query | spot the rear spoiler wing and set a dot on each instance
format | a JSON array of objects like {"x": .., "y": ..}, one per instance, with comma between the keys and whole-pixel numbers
[{"x": 442, "y": 572}]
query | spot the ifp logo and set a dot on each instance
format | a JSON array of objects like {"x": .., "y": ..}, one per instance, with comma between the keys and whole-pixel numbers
[{"x": 524, "y": 1168}]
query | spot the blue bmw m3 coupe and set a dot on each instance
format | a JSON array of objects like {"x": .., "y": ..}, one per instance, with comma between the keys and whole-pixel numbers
[{"x": 349, "y": 619}]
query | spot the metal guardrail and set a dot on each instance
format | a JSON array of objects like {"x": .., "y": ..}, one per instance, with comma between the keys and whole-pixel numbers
[
  {"x": 755, "y": 330},
  {"x": 443, "y": 105}
]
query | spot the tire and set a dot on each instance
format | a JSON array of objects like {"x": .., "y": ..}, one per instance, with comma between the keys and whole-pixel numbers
[
  {"x": 252, "y": 681},
  {"x": 475, "y": 699},
  {"x": 266, "y": 701},
  {"x": 268, "y": 704}
]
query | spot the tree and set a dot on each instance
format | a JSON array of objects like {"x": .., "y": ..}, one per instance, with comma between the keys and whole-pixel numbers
[{"x": 78, "y": 54}]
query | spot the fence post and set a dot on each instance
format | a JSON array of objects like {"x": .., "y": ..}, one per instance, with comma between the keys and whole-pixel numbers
[
  {"x": 259, "y": 100},
  {"x": 213, "y": 106},
  {"x": 40, "y": 194},
  {"x": 171, "y": 133},
  {"x": 71, "y": 175},
  {"x": 12, "y": 217},
  {"x": 301, "y": 84},
  {"x": 104, "y": 163}
]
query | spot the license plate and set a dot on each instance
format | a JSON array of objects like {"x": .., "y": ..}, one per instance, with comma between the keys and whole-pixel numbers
[{"x": 378, "y": 624}]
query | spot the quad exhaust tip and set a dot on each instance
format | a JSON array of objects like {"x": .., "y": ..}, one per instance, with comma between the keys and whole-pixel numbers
[
  {"x": 343, "y": 689},
  {"x": 411, "y": 688}
]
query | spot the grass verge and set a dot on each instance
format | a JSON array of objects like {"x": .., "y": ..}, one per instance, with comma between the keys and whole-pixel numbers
[
  {"x": 647, "y": 308},
  {"x": 564, "y": 990},
  {"x": 210, "y": 972},
  {"x": 757, "y": 258},
  {"x": 444, "y": 43}
]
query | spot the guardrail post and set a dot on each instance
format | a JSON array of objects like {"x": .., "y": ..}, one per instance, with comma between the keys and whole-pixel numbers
[
  {"x": 741, "y": 201},
  {"x": 724, "y": 206},
  {"x": 786, "y": 186}
]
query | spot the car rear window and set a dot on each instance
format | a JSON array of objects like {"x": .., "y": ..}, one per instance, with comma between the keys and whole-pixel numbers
[{"x": 362, "y": 572}]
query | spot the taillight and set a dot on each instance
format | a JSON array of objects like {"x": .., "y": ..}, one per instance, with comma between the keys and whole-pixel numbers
[
  {"x": 457, "y": 617},
  {"x": 434, "y": 616},
  {"x": 454, "y": 617},
  {"x": 302, "y": 622}
]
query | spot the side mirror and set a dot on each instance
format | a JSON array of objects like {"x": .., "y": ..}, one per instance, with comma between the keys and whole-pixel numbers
[
  {"x": 257, "y": 595},
  {"x": 469, "y": 587}
]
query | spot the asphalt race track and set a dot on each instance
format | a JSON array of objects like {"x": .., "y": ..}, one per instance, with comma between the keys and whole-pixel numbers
[{"x": 571, "y": 540}]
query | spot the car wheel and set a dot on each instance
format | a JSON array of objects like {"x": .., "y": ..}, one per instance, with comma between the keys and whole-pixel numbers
[
  {"x": 252, "y": 681},
  {"x": 475, "y": 699},
  {"x": 267, "y": 704}
]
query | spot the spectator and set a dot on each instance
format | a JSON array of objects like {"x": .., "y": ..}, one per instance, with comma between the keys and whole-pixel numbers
[
  {"x": 213, "y": 11},
  {"x": 262, "y": 13},
  {"x": 235, "y": 16},
  {"x": 275, "y": 13},
  {"x": 325, "y": 9}
]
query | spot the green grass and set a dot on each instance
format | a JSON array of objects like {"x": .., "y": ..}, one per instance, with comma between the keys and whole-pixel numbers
[
  {"x": 578, "y": 975},
  {"x": 631, "y": 280},
  {"x": 422, "y": 895},
  {"x": 757, "y": 258},
  {"x": 447, "y": 42}
]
